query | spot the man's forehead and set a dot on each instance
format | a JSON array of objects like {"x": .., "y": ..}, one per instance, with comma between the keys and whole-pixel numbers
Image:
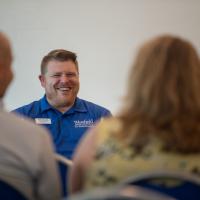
[{"x": 55, "y": 65}]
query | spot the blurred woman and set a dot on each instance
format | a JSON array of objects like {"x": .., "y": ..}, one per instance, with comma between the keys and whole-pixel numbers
[{"x": 159, "y": 125}]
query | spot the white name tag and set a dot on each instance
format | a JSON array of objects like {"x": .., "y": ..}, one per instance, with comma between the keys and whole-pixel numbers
[{"x": 42, "y": 121}]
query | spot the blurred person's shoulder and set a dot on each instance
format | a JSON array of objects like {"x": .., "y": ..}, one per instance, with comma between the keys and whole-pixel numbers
[
  {"x": 110, "y": 123},
  {"x": 108, "y": 127},
  {"x": 21, "y": 125}
]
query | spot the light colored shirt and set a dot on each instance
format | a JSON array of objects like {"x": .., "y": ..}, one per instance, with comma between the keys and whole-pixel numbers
[
  {"x": 114, "y": 161},
  {"x": 26, "y": 158}
]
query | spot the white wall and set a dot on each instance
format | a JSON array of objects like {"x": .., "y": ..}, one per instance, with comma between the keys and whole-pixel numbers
[{"x": 105, "y": 34}]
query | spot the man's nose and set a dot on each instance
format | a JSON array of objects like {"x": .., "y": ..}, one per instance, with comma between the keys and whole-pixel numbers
[{"x": 64, "y": 78}]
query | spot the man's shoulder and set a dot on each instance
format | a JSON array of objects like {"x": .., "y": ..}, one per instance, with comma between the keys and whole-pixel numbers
[
  {"x": 91, "y": 104},
  {"x": 93, "y": 107},
  {"x": 17, "y": 123},
  {"x": 30, "y": 108}
]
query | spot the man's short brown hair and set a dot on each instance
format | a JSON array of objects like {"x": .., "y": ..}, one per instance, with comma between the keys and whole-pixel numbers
[{"x": 59, "y": 55}]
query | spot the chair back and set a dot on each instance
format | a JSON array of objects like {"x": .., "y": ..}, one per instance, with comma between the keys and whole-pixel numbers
[
  {"x": 8, "y": 192},
  {"x": 63, "y": 165},
  {"x": 181, "y": 186},
  {"x": 121, "y": 192}
]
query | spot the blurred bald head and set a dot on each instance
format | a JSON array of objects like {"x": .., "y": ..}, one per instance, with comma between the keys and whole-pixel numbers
[{"x": 6, "y": 74}]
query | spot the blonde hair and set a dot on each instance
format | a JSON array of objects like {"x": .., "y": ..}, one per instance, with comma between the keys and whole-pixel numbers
[{"x": 163, "y": 96}]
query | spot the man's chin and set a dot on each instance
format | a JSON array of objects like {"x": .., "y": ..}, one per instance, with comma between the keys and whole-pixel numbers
[{"x": 65, "y": 102}]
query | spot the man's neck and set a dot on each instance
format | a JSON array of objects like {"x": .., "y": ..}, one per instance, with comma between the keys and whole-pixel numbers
[
  {"x": 60, "y": 108},
  {"x": 63, "y": 109}
]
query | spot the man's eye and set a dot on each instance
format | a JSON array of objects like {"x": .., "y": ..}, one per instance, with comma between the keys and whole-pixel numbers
[
  {"x": 56, "y": 75},
  {"x": 70, "y": 75}
]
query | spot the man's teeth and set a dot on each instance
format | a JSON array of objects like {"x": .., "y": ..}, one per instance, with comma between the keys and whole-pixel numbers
[{"x": 64, "y": 89}]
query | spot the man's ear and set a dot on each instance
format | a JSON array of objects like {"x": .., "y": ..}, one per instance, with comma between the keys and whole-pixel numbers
[{"x": 42, "y": 80}]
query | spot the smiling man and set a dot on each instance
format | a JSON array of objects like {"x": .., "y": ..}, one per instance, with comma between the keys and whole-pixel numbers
[{"x": 60, "y": 110}]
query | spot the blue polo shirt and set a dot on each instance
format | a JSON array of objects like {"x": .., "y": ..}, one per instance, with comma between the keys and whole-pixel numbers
[{"x": 66, "y": 128}]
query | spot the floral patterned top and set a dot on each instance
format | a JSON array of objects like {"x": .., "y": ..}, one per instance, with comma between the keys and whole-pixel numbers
[{"x": 115, "y": 162}]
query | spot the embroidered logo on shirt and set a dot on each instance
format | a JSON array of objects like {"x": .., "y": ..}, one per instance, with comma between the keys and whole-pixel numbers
[
  {"x": 42, "y": 121},
  {"x": 83, "y": 123}
]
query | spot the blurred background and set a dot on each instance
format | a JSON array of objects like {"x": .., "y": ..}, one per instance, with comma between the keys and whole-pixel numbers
[{"x": 105, "y": 34}]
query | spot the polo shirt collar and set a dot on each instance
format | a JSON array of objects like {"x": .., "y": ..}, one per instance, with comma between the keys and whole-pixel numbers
[
  {"x": 78, "y": 106},
  {"x": 45, "y": 105}
]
